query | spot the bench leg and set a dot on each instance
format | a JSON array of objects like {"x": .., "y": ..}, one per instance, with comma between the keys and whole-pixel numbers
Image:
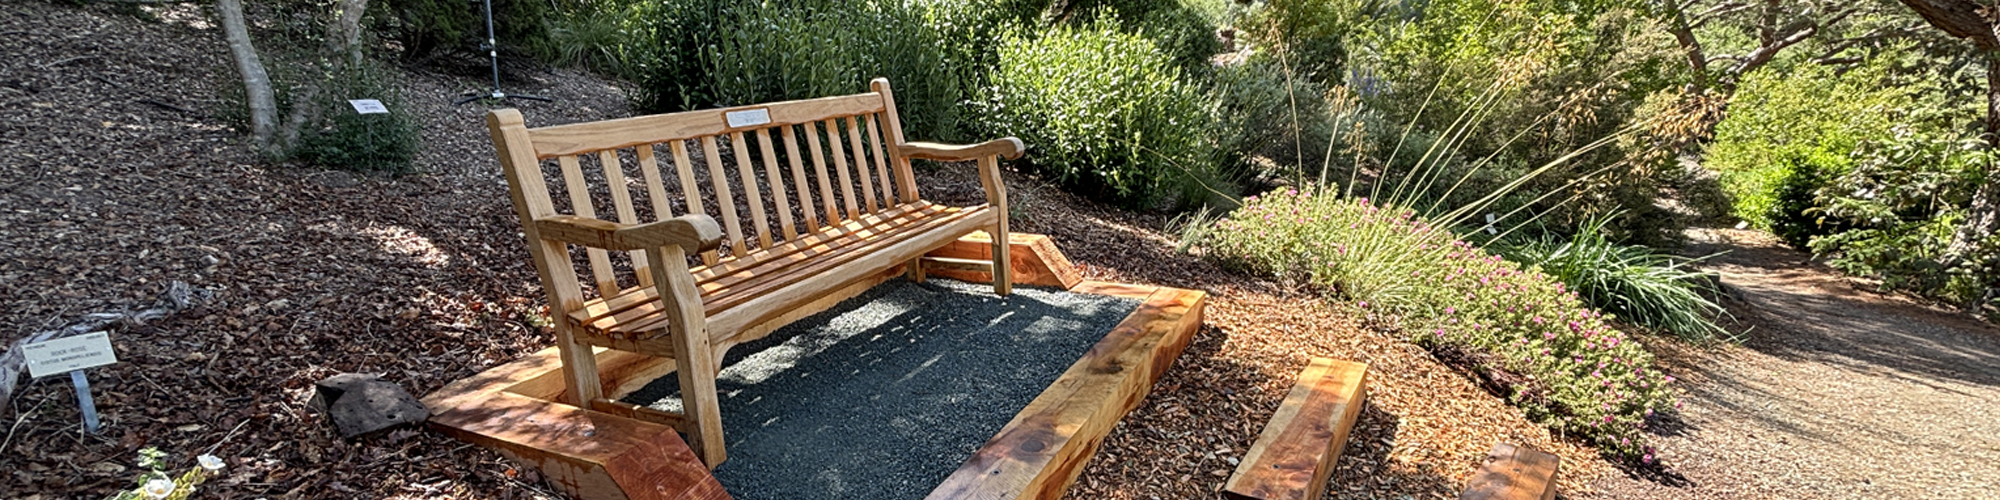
[
  {"x": 694, "y": 361},
  {"x": 916, "y": 272},
  {"x": 579, "y": 366},
  {"x": 996, "y": 196}
]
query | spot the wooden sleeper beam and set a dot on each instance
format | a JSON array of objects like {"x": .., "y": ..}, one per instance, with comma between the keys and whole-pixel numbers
[
  {"x": 1293, "y": 457},
  {"x": 1514, "y": 473}
]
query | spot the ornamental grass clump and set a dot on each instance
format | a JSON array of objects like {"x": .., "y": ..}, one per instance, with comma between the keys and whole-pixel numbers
[{"x": 1527, "y": 336}]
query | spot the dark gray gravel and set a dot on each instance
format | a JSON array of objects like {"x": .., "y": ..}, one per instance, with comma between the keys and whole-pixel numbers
[{"x": 884, "y": 395}]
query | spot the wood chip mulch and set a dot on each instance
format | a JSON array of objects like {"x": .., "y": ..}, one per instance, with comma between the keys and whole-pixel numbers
[{"x": 423, "y": 279}]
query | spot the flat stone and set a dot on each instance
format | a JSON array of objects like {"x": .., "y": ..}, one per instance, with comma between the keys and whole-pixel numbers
[{"x": 362, "y": 404}]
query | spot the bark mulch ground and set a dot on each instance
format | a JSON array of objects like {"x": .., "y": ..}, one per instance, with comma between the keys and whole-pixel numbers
[{"x": 122, "y": 175}]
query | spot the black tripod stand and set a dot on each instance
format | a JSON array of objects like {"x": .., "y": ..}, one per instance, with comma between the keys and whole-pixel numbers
[{"x": 492, "y": 48}]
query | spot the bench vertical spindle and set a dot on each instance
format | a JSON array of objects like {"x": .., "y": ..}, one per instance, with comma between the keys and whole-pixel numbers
[
  {"x": 725, "y": 201},
  {"x": 799, "y": 183},
  {"x": 748, "y": 173},
  {"x": 776, "y": 177},
  {"x": 861, "y": 164}
]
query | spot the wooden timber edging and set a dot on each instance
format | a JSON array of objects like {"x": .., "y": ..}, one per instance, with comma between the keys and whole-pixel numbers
[
  {"x": 1513, "y": 472},
  {"x": 1040, "y": 452},
  {"x": 607, "y": 452},
  {"x": 589, "y": 454},
  {"x": 1032, "y": 260},
  {"x": 1295, "y": 454}
]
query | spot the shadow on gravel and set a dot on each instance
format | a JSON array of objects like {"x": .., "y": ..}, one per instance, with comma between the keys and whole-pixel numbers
[{"x": 1803, "y": 314}]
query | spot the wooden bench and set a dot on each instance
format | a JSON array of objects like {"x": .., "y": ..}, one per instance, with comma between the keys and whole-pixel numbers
[
  {"x": 1514, "y": 473},
  {"x": 1295, "y": 454},
  {"x": 796, "y": 229}
]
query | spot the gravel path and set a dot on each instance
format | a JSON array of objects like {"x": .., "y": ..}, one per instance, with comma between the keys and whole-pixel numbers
[
  {"x": 1835, "y": 393},
  {"x": 884, "y": 395}
]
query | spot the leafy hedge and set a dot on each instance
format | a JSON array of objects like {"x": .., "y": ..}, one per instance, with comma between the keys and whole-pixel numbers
[
  {"x": 1105, "y": 113},
  {"x": 714, "y": 53},
  {"x": 1534, "y": 339}
]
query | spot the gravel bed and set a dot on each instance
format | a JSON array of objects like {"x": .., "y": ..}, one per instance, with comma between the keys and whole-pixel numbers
[{"x": 884, "y": 395}]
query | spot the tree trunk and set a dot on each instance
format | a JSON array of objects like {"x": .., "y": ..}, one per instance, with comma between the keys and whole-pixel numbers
[
  {"x": 256, "y": 82},
  {"x": 343, "y": 49}
]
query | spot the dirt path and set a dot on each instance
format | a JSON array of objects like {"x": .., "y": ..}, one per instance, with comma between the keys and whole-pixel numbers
[{"x": 1835, "y": 392}]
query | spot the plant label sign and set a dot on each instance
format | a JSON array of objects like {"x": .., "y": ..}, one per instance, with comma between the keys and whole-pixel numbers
[
  {"x": 69, "y": 354},
  {"x": 368, "y": 106},
  {"x": 72, "y": 355},
  {"x": 748, "y": 117}
]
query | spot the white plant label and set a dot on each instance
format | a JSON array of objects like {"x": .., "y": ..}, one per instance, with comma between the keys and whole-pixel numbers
[
  {"x": 368, "y": 106},
  {"x": 69, "y": 354},
  {"x": 748, "y": 117}
]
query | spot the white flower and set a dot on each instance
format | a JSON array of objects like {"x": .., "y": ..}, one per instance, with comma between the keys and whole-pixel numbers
[
  {"x": 158, "y": 488},
  {"x": 211, "y": 463}
]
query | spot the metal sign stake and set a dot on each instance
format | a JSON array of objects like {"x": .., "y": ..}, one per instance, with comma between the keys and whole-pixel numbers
[{"x": 83, "y": 400}]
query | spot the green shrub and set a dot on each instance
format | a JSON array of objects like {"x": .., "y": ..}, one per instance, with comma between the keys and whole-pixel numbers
[
  {"x": 1104, "y": 113},
  {"x": 1559, "y": 361},
  {"x": 1636, "y": 284},
  {"x": 1182, "y": 29},
  {"x": 1901, "y": 203},
  {"x": 1510, "y": 87},
  {"x": 421, "y": 28},
  {"x": 1311, "y": 33},
  {"x": 1790, "y": 132},
  {"x": 1260, "y": 112},
  {"x": 715, "y": 53},
  {"x": 348, "y": 140},
  {"x": 607, "y": 38}
]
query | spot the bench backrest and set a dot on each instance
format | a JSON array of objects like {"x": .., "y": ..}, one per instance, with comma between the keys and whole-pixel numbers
[{"x": 769, "y": 173}]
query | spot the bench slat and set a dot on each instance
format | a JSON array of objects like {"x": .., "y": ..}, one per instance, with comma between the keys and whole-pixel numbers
[
  {"x": 727, "y": 201},
  {"x": 1295, "y": 453},
  {"x": 730, "y": 312},
  {"x": 861, "y": 164},
  {"x": 707, "y": 276},
  {"x": 690, "y": 189},
  {"x": 579, "y": 200},
  {"x": 604, "y": 314},
  {"x": 799, "y": 184},
  {"x": 881, "y": 163},
  {"x": 751, "y": 283},
  {"x": 840, "y": 168},
  {"x": 621, "y": 202},
  {"x": 576, "y": 138},
  {"x": 751, "y": 194},
  {"x": 826, "y": 198},
  {"x": 774, "y": 174}
]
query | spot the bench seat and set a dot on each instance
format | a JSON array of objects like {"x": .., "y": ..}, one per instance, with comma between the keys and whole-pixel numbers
[{"x": 736, "y": 293}]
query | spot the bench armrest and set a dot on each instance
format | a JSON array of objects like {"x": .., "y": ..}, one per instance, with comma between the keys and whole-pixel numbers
[
  {"x": 1005, "y": 147},
  {"x": 693, "y": 233}
]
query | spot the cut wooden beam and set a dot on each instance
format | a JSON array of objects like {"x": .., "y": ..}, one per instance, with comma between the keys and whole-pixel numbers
[
  {"x": 592, "y": 455},
  {"x": 1296, "y": 452},
  {"x": 1514, "y": 472},
  {"x": 933, "y": 264},
  {"x": 1033, "y": 259},
  {"x": 1040, "y": 452}
]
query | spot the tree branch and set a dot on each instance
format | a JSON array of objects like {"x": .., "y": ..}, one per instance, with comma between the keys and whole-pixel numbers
[{"x": 1959, "y": 18}]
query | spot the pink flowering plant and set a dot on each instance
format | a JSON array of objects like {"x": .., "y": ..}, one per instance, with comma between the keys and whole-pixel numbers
[{"x": 1566, "y": 367}]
